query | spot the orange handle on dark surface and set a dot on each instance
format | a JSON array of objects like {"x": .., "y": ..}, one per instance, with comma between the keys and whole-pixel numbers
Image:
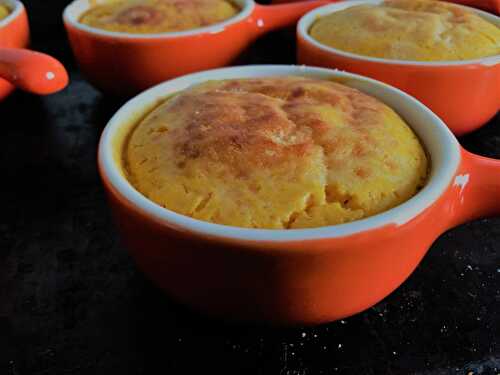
[
  {"x": 479, "y": 184},
  {"x": 32, "y": 71},
  {"x": 272, "y": 17}
]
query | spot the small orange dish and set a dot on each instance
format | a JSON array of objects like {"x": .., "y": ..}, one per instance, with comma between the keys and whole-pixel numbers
[
  {"x": 465, "y": 94},
  {"x": 31, "y": 71},
  {"x": 295, "y": 276},
  {"x": 125, "y": 63}
]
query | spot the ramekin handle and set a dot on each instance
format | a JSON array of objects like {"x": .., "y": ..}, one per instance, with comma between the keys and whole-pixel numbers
[
  {"x": 271, "y": 17},
  {"x": 478, "y": 182},
  {"x": 492, "y": 6},
  {"x": 32, "y": 71}
]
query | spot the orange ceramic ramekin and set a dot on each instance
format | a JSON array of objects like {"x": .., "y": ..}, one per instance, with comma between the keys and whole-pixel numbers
[
  {"x": 28, "y": 70},
  {"x": 301, "y": 276},
  {"x": 465, "y": 94},
  {"x": 125, "y": 63}
]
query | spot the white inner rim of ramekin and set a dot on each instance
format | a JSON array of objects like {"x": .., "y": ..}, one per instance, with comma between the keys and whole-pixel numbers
[
  {"x": 75, "y": 10},
  {"x": 437, "y": 138},
  {"x": 15, "y": 8},
  {"x": 309, "y": 18}
]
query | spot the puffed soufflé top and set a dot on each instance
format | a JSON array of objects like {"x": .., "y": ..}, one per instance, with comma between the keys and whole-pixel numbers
[
  {"x": 420, "y": 30},
  {"x": 4, "y": 11},
  {"x": 157, "y": 16},
  {"x": 278, "y": 152}
]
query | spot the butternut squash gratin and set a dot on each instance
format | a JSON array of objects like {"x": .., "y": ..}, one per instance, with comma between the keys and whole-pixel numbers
[
  {"x": 4, "y": 11},
  {"x": 157, "y": 16},
  {"x": 279, "y": 152},
  {"x": 420, "y": 30}
]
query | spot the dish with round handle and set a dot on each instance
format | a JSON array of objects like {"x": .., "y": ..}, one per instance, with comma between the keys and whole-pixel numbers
[
  {"x": 31, "y": 71},
  {"x": 303, "y": 276}
]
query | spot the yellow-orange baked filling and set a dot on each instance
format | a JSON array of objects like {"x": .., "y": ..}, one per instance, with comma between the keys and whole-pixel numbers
[
  {"x": 157, "y": 16},
  {"x": 279, "y": 152},
  {"x": 4, "y": 12},
  {"x": 421, "y": 30}
]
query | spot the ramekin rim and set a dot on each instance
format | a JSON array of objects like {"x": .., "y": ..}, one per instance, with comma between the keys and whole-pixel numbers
[
  {"x": 306, "y": 21},
  {"x": 437, "y": 185},
  {"x": 244, "y": 14}
]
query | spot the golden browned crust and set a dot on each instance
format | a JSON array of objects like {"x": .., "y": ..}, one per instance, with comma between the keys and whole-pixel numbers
[
  {"x": 157, "y": 16},
  {"x": 422, "y": 30},
  {"x": 275, "y": 153}
]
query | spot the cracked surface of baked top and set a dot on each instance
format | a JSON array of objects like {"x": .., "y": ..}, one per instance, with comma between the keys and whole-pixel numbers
[
  {"x": 157, "y": 16},
  {"x": 4, "y": 11},
  {"x": 278, "y": 152},
  {"x": 420, "y": 30}
]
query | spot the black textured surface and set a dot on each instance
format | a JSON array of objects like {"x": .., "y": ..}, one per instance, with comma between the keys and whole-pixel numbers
[{"x": 72, "y": 302}]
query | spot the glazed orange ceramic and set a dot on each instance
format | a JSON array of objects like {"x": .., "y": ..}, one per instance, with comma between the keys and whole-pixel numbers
[
  {"x": 299, "y": 276},
  {"x": 27, "y": 70},
  {"x": 465, "y": 94},
  {"x": 125, "y": 63},
  {"x": 14, "y": 33}
]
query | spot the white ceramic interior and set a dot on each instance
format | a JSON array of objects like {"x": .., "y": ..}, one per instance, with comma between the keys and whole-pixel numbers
[
  {"x": 77, "y": 8},
  {"x": 309, "y": 18},
  {"x": 16, "y": 7},
  {"x": 441, "y": 145}
]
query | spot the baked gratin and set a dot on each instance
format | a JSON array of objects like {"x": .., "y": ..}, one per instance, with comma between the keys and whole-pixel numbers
[
  {"x": 418, "y": 30},
  {"x": 157, "y": 16},
  {"x": 278, "y": 152}
]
